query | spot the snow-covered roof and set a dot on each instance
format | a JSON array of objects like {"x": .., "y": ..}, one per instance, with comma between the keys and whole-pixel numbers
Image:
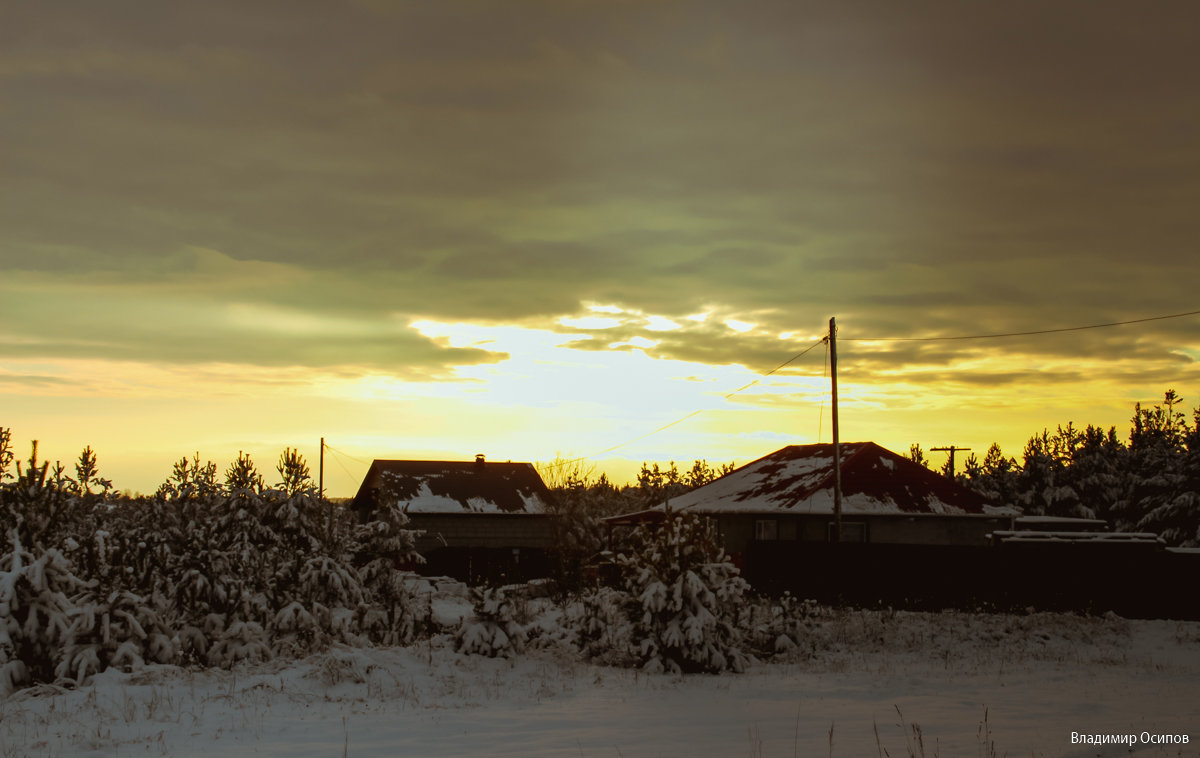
[
  {"x": 1079, "y": 537},
  {"x": 1060, "y": 523},
  {"x": 799, "y": 479},
  {"x": 455, "y": 487},
  {"x": 1067, "y": 520}
]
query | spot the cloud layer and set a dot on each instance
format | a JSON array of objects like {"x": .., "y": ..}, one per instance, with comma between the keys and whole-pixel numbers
[{"x": 289, "y": 184}]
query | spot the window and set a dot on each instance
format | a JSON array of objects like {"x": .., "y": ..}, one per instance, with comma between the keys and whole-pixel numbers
[
  {"x": 852, "y": 531},
  {"x": 766, "y": 529}
]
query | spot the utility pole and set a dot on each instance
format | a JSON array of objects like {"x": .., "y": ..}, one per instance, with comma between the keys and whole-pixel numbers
[
  {"x": 950, "y": 450},
  {"x": 837, "y": 450},
  {"x": 321, "y": 495}
]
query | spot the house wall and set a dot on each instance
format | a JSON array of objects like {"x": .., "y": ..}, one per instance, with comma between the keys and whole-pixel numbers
[
  {"x": 481, "y": 530},
  {"x": 483, "y": 548},
  {"x": 933, "y": 530},
  {"x": 738, "y": 531}
]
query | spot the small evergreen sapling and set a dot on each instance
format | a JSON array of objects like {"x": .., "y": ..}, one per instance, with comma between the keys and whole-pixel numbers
[
  {"x": 604, "y": 626},
  {"x": 494, "y": 629}
]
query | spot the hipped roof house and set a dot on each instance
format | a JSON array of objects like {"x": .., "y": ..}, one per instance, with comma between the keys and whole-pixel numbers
[
  {"x": 800, "y": 479},
  {"x": 788, "y": 495},
  {"x": 775, "y": 519}
]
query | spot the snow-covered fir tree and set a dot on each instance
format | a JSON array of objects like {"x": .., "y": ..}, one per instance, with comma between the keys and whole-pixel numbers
[
  {"x": 1097, "y": 470},
  {"x": 1168, "y": 493},
  {"x": 41, "y": 514},
  {"x": 36, "y": 587},
  {"x": 381, "y": 546},
  {"x": 688, "y": 594},
  {"x": 1045, "y": 483}
]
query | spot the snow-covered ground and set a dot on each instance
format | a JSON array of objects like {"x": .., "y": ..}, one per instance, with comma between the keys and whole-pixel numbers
[{"x": 862, "y": 683}]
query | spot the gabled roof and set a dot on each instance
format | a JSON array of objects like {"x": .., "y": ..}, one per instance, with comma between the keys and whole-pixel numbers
[
  {"x": 799, "y": 479},
  {"x": 455, "y": 487}
]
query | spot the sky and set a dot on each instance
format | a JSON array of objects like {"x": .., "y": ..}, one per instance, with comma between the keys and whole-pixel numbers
[{"x": 532, "y": 229}]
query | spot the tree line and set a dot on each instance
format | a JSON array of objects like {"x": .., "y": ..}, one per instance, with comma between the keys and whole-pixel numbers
[
  {"x": 209, "y": 570},
  {"x": 214, "y": 570},
  {"x": 1146, "y": 482}
]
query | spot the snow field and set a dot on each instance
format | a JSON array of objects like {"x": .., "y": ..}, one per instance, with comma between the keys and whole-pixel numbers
[{"x": 1037, "y": 677}]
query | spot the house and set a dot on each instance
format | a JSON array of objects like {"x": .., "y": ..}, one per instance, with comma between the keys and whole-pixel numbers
[
  {"x": 904, "y": 528},
  {"x": 787, "y": 496},
  {"x": 913, "y": 538},
  {"x": 480, "y": 521}
]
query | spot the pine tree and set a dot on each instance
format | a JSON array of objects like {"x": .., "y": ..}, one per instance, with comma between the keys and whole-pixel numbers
[
  {"x": 1097, "y": 470},
  {"x": 1156, "y": 498},
  {"x": 995, "y": 478},
  {"x": 1047, "y": 482},
  {"x": 688, "y": 593},
  {"x": 917, "y": 455},
  {"x": 1167, "y": 493}
]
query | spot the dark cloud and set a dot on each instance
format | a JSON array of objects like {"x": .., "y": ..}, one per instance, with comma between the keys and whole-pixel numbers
[
  {"x": 222, "y": 313},
  {"x": 408, "y": 356},
  {"x": 933, "y": 169}
]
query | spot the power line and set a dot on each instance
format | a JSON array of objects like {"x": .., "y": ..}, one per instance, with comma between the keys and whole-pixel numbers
[
  {"x": 347, "y": 455},
  {"x": 1020, "y": 334},
  {"x": 343, "y": 466},
  {"x": 794, "y": 358},
  {"x": 644, "y": 436}
]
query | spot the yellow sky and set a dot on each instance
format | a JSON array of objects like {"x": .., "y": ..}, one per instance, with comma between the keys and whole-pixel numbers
[{"x": 544, "y": 400}]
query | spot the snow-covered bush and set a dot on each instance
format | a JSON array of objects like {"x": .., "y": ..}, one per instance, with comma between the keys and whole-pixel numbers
[
  {"x": 118, "y": 630},
  {"x": 240, "y": 641},
  {"x": 780, "y": 626},
  {"x": 494, "y": 629}
]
